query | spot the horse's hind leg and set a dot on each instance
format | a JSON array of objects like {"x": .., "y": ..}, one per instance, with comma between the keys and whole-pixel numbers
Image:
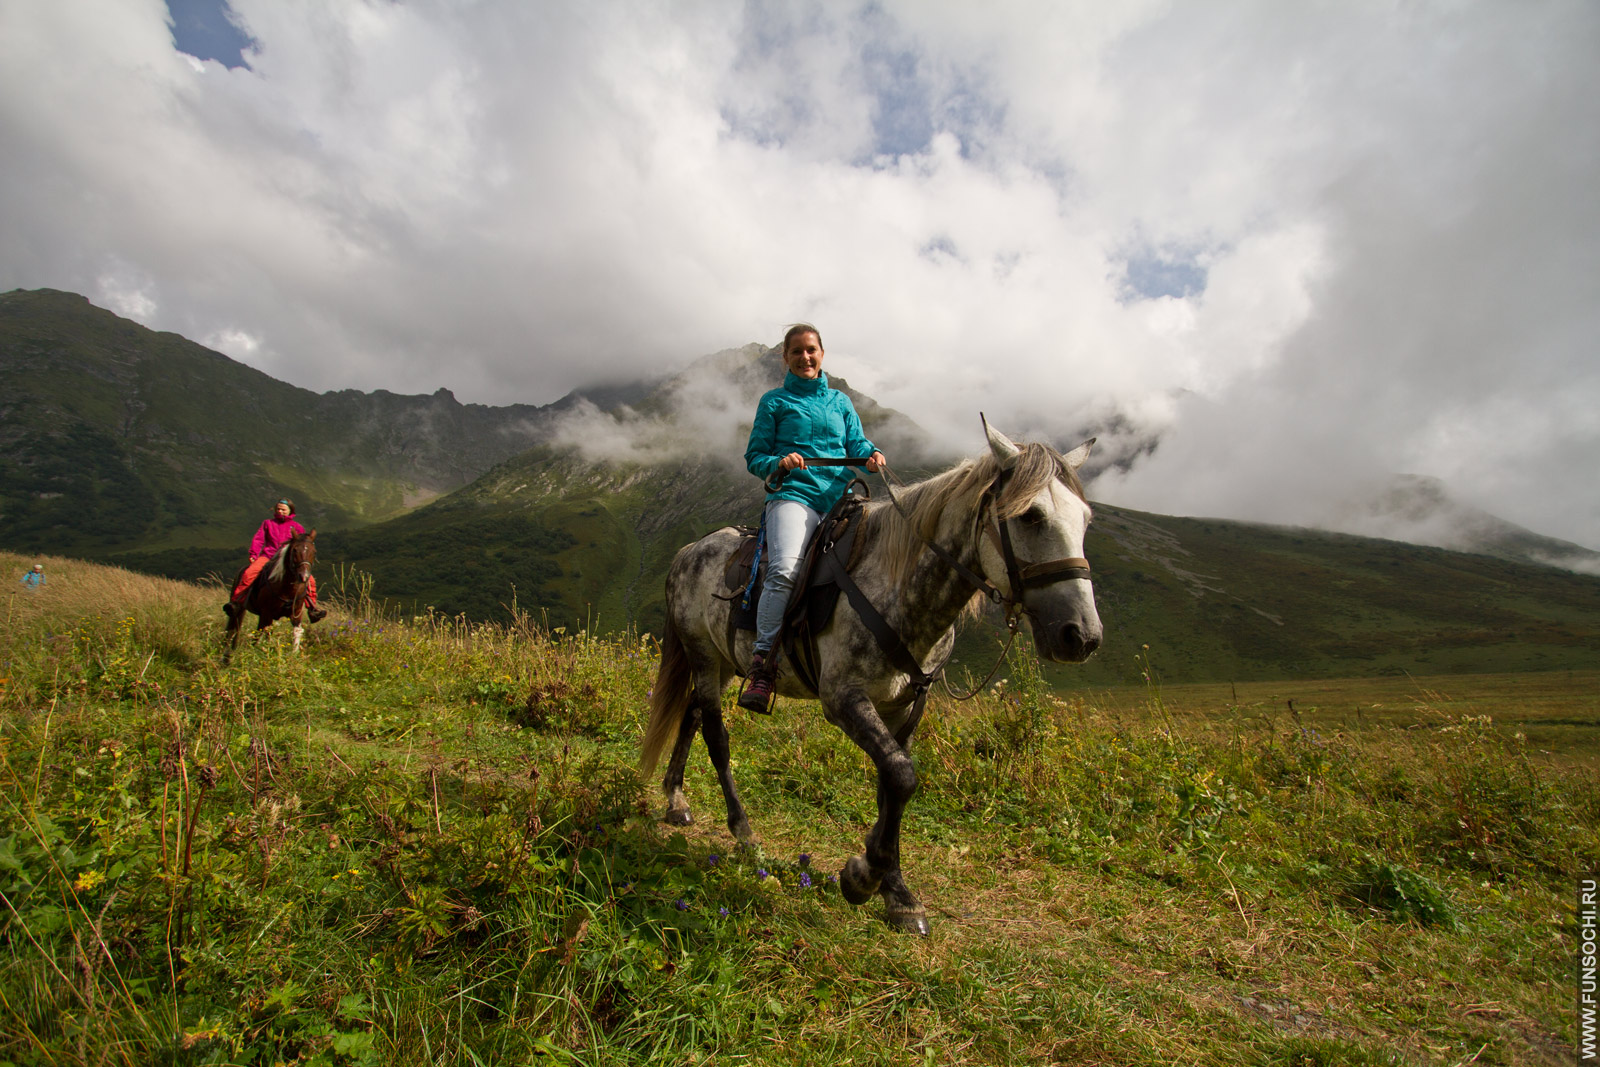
[
  {"x": 716, "y": 734},
  {"x": 877, "y": 870},
  {"x": 677, "y": 813}
]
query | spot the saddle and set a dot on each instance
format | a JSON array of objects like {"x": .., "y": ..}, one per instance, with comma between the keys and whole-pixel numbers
[{"x": 816, "y": 589}]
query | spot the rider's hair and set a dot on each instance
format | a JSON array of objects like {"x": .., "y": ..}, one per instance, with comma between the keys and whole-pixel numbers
[
  {"x": 285, "y": 500},
  {"x": 796, "y": 330}
]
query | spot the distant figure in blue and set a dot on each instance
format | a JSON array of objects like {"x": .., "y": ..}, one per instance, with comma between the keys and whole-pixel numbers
[
  {"x": 33, "y": 580},
  {"x": 806, "y": 417}
]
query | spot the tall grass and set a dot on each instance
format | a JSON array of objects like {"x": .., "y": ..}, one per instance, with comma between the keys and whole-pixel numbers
[{"x": 422, "y": 841}]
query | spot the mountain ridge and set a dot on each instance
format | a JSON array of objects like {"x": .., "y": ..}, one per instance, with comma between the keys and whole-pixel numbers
[{"x": 574, "y": 509}]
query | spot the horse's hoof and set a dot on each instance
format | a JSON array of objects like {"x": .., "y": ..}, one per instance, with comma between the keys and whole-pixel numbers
[
  {"x": 911, "y": 920},
  {"x": 677, "y": 817},
  {"x": 856, "y": 881}
]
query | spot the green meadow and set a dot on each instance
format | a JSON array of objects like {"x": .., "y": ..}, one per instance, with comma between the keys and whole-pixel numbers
[{"x": 422, "y": 841}]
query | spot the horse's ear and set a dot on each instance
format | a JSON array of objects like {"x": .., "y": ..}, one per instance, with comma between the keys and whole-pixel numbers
[
  {"x": 1076, "y": 457},
  {"x": 1005, "y": 452},
  {"x": 312, "y": 536}
]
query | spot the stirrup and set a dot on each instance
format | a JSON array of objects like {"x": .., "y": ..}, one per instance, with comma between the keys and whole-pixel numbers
[
  {"x": 759, "y": 688},
  {"x": 757, "y": 696}
]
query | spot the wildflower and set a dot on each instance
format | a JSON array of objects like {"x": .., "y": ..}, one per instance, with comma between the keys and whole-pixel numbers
[
  {"x": 833, "y": 879},
  {"x": 761, "y": 874},
  {"x": 711, "y": 860},
  {"x": 805, "y": 859},
  {"x": 805, "y": 880},
  {"x": 680, "y": 905},
  {"x": 723, "y": 911}
]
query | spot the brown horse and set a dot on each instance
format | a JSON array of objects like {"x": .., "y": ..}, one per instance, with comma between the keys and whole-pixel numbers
[
  {"x": 1008, "y": 525},
  {"x": 279, "y": 592}
]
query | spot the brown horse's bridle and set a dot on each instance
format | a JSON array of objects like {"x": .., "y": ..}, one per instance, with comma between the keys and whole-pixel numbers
[{"x": 297, "y": 569}]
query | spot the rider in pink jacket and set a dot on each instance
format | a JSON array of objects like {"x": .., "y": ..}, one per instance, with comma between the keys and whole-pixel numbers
[{"x": 275, "y": 532}]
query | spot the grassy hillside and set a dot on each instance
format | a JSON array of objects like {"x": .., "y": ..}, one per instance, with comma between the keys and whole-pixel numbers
[
  {"x": 424, "y": 843},
  {"x": 115, "y": 437}
]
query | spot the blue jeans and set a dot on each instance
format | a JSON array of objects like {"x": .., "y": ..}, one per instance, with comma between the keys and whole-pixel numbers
[{"x": 789, "y": 527}]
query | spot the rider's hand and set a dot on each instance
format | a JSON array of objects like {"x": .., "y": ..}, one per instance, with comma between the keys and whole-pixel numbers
[
  {"x": 875, "y": 462},
  {"x": 792, "y": 461}
]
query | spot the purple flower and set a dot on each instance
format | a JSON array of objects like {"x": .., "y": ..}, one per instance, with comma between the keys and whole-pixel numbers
[
  {"x": 805, "y": 880},
  {"x": 723, "y": 911},
  {"x": 680, "y": 905},
  {"x": 712, "y": 859},
  {"x": 761, "y": 872},
  {"x": 805, "y": 859},
  {"x": 833, "y": 879}
]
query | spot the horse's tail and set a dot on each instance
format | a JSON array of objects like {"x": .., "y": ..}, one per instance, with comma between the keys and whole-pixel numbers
[{"x": 669, "y": 699}]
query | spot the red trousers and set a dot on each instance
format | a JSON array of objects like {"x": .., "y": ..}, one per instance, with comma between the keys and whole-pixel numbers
[{"x": 248, "y": 575}]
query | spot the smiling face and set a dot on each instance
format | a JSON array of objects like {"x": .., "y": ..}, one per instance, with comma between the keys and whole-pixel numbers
[{"x": 802, "y": 354}]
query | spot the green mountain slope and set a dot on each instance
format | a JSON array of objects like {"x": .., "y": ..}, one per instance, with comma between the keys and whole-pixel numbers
[
  {"x": 1213, "y": 600},
  {"x": 114, "y": 437},
  {"x": 117, "y": 441},
  {"x": 1230, "y": 601}
]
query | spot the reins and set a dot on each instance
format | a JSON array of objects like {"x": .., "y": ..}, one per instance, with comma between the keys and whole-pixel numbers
[{"x": 1019, "y": 576}]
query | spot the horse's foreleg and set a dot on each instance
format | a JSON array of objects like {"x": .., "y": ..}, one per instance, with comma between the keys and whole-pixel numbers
[
  {"x": 230, "y": 637},
  {"x": 716, "y": 734},
  {"x": 877, "y": 870}
]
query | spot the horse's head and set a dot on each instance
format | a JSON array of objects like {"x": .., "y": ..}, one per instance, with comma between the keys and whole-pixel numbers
[
  {"x": 1033, "y": 548},
  {"x": 301, "y": 553}
]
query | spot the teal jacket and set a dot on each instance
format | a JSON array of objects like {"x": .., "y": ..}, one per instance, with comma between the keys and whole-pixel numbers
[{"x": 809, "y": 417}]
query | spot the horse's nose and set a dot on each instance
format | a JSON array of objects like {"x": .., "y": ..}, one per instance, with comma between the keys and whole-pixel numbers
[{"x": 1079, "y": 643}]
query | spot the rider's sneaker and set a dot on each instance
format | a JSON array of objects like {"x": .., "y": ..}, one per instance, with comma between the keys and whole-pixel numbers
[
  {"x": 316, "y": 614},
  {"x": 757, "y": 695}
]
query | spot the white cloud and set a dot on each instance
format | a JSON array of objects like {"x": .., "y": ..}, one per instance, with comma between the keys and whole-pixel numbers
[{"x": 1378, "y": 220}]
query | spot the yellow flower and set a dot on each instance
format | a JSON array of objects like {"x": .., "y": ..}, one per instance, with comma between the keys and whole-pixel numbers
[{"x": 88, "y": 880}]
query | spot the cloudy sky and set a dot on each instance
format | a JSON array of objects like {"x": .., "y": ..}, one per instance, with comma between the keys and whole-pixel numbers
[{"x": 1296, "y": 247}]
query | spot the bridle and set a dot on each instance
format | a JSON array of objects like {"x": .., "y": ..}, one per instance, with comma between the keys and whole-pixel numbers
[
  {"x": 303, "y": 553},
  {"x": 1020, "y": 576}
]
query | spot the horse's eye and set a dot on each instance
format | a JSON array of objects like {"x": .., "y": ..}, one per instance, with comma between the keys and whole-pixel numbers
[{"x": 1033, "y": 516}]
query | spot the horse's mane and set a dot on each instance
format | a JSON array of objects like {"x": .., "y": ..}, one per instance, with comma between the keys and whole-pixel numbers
[
  {"x": 959, "y": 490},
  {"x": 274, "y": 571}
]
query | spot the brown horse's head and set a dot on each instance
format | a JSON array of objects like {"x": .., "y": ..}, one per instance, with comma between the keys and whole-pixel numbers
[{"x": 299, "y": 554}]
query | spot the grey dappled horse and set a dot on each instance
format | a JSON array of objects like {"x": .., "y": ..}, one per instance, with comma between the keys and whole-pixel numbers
[{"x": 1022, "y": 502}]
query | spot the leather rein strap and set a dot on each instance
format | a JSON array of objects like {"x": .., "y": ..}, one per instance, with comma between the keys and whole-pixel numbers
[
  {"x": 774, "y": 481},
  {"x": 1020, "y": 576}
]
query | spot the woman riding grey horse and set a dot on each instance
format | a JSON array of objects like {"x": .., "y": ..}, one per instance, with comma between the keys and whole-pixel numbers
[
  {"x": 803, "y": 417},
  {"x": 1008, "y": 526}
]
